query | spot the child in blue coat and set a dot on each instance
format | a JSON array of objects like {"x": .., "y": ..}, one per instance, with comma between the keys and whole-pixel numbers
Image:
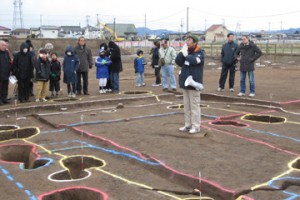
[
  {"x": 102, "y": 69},
  {"x": 139, "y": 69},
  {"x": 70, "y": 65}
]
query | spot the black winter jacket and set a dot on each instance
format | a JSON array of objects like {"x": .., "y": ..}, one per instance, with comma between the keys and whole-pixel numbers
[
  {"x": 42, "y": 70},
  {"x": 189, "y": 66},
  {"x": 155, "y": 56},
  {"x": 228, "y": 53},
  {"x": 115, "y": 57},
  {"x": 249, "y": 54},
  {"x": 55, "y": 69},
  {"x": 23, "y": 64},
  {"x": 5, "y": 66}
]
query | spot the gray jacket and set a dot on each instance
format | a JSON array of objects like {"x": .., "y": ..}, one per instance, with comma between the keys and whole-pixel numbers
[
  {"x": 85, "y": 57},
  {"x": 249, "y": 54}
]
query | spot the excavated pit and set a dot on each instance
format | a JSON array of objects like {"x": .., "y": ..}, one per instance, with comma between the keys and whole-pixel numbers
[
  {"x": 74, "y": 194},
  {"x": 296, "y": 165},
  {"x": 8, "y": 127},
  {"x": 21, "y": 154},
  {"x": 134, "y": 92},
  {"x": 18, "y": 133},
  {"x": 228, "y": 123},
  {"x": 77, "y": 164},
  {"x": 65, "y": 99},
  {"x": 181, "y": 106},
  {"x": 264, "y": 118}
]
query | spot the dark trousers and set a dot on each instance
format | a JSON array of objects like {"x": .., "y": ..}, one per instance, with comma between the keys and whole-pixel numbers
[
  {"x": 157, "y": 75},
  {"x": 54, "y": 85},
  {"x": 85, "y": 77},
  {"x": 71, "y": 88},
  {"x": 24, "y": 89},
  {"x": 224, "y": 73},
  {"x": 3, "y": 90}
]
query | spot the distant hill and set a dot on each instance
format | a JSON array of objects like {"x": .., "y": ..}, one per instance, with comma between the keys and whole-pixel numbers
[{"x": 141, "y": 31}]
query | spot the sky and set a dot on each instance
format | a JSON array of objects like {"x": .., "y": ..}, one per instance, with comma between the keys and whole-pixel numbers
[{"x": 236, "y": 15}]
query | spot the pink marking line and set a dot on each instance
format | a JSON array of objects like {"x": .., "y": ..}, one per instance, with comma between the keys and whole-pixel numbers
[
  {"x": 103, "y": 194},
  {"x": 163, "y": 164},
  {"x": 33, "y": 150},
  {"x": 289, "y": 102},
  {"x": 255, "y": 141}
]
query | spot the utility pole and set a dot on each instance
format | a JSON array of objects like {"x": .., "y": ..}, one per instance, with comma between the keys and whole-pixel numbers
[
  {"x": 87, "y": 25},
  {"x": 18, "y": 14},
  {"x": 114, "y": 28},
  {"x": 41, "y": 20},
  {"x": 145, "y": 31},
  {"x": 205, "y": 20},
  {"x": 187, "y": 19},
  {"x": 181, "y": 26}
]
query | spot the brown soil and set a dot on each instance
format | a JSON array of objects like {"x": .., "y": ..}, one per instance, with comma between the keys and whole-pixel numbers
[{"x": 127, "y": 145}]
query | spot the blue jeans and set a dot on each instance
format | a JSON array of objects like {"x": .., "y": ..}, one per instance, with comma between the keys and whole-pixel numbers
[
  {"x": 139, "y": 78},
  {"x": 114, "y": 78},
  {"x": 168, "y": 71},
  {"x": 243, "y": 81}
]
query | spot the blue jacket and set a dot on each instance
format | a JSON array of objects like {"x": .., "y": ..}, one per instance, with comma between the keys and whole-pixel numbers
[
  {"x": 102, "y": 65},
  {"x": 139, "y": 63},
  {"x": 70, "y": 65},
  {"x": 190, "y": 66}
]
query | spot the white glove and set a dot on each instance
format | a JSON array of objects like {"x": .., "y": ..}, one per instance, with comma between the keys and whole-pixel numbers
[{"x": 184, "y": 50}]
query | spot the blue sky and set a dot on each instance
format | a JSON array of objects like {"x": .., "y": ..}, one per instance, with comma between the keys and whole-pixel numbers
[{"x": 252, "y": 15}]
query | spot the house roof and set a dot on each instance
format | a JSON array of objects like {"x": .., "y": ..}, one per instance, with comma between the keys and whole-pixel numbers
[
  {"x": 90, "y": 28},
  {"x": 122, "y": 29},
  {"x": 2, "y": 28},
  {"x": 21, "y": 30},
  {"x": 71, "y": 28},
  {"x": 215, "y": 26},
  {"x": 49, "y": 27}
]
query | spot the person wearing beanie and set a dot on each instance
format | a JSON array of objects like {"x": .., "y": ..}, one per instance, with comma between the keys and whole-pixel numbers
[
  {"x": 191, "y": 60},
  {"x": 42, "y": 76},
  {"x": 102, "y": 63},
  {"x": 139, "y": 63},
  {"x": 228, "y": 63},
  {"x": 55, "y": 69},
  {"x": 108, "y": 87}
]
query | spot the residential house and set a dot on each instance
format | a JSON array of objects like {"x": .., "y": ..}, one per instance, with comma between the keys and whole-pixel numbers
[
  {"x": 70, "y": 31},
  {"x": 35, "y": 32},
  {"x": 91, "y": 32},
  {"x": 21, "y": 33},
  {"x": 216, "y": 33},
  {"x": 126, "y": 31},
  {"x": 4, "y": 32},
  {"x": 49, "y": 31}
]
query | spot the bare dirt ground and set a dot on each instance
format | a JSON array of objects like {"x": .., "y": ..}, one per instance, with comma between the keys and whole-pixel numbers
[{"x": 127, "y": 145}]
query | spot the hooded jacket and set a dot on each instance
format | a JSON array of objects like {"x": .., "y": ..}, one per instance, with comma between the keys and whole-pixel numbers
[
  {"x": 190, "y": 66},
  {"x": 249, "y": 54},
  {"x": 55, "y": 68},
  {"x": 102, "y": 64},
  {"x": 115, "y": 57},
  {"x": 85, "y": 56},
  {"x": 70, "y": 66},
  {"x": 23, "y": 64},
  {"x": 42, "y": 70}
]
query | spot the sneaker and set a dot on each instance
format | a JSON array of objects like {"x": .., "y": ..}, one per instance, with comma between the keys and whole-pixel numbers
[
  {"x": 231, "y": 90},
  {"x": 194, "y": 130},
  {"x": 138, "y": 85},
  {"x": 144, "y": 84},
  {"x": 44, "y": 100},
  {"x": 69, "y": 95},
  {"x": 185, "y": 128},
  {"x": 100, "y": 91},
  {"x": 73, "y": 95},
  {"x": 109, "y": 90},
  {"x": 174, "y": 89},
  {"x": 251, "y": 95},
  {"x": 220, "y": 90},
  {"x": 165, "y": 89},
  {"x": 37, "y": 100},
  {"x": 241, "y": 94},
  {"x": 155, "y": 85},
  {"x": 103, "y": 91}
]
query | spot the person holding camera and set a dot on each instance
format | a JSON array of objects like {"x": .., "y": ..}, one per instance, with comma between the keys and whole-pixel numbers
[
  {"x": 191, "y": 60},
  {"x": 167, "y": 57}
]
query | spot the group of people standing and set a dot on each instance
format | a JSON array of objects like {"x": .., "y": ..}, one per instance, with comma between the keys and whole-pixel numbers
[{"x": 44, "y": 69}]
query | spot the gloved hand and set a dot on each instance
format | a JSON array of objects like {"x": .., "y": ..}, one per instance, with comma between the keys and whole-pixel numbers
[
  {"x": 103, "y": 62},
  {"x": 184, "y": 50},
  {"x": 53, "y": 75}
]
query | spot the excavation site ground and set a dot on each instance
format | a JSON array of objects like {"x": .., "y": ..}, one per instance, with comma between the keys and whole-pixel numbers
[{"x": 127, "y": 145}]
